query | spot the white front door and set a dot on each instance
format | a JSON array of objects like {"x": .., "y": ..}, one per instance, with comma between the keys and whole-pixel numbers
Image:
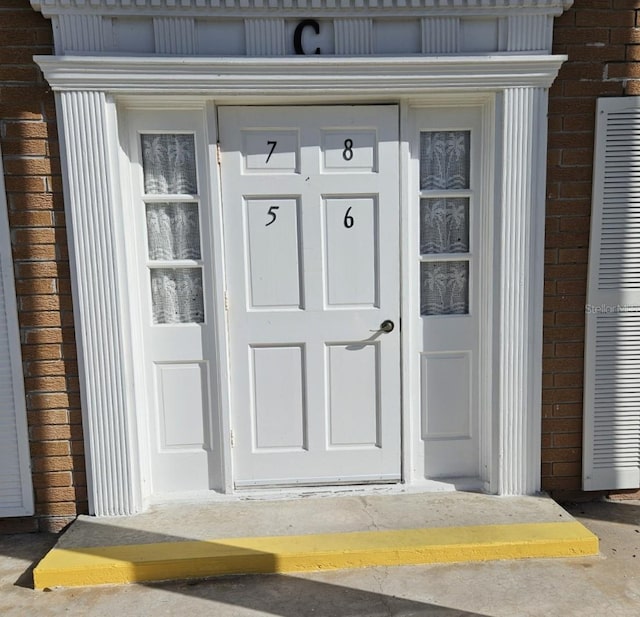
[{"x": 311, "y": 204}]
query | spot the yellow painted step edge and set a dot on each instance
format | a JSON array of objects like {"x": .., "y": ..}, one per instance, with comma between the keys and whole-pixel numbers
[{"x": 84, "y": 566}]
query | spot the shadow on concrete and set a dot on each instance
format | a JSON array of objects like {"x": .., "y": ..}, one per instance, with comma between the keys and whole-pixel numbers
[
  {"x": 624, "y": 512},
  {"x": 292, "y": 596},
  {"x": 269, "y": 594},
  {"x": 27, "y": 547}
]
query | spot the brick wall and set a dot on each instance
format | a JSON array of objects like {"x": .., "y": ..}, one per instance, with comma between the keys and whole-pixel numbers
[
  {"x": 602, "y": 40},
  {"x": 36, "y": 218}
]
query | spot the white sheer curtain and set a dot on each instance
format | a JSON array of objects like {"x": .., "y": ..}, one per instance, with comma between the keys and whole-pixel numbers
[
  {"x": 445, "y": 288},
  {"x": 444, "y": 222},
  {"x": 173, "y": 228},
  {"x": 169, "y": 164},
  {"x": 176, "y": 295},
  {"x": 173, "y": 231},
  {"x": 444, "y": 160},
  {"x": 444, "y": 225}
]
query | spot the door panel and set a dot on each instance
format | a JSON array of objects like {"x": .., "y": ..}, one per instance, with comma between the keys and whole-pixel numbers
[
  {"x": 180, "y": 387},
  {"x": 353, "y": 398},
  {"x": 273, "y": 252},
  {"x": 310, "y": 277},
  {"x": 278, "y": 384},
  {"x": 357, "y": 246}
]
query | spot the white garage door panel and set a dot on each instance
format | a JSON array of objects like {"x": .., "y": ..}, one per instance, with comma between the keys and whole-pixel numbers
[{"x": 16, "y": 496}]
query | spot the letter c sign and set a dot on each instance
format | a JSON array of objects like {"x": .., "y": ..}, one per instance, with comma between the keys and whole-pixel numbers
[{"x": 297, "y": 35}]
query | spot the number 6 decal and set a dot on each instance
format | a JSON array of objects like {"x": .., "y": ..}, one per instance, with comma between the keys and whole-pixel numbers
[
  {"x": 348, "y": 219},
  {"x": 272, "y": 213}
]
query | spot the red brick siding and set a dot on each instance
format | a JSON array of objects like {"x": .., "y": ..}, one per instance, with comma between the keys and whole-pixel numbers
[
  {"x": 36, "y": 217},
  {"x": 602, "y": 40}
]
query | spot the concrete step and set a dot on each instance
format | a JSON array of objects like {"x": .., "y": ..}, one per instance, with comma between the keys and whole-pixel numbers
[{"x": 355, "y": 529}]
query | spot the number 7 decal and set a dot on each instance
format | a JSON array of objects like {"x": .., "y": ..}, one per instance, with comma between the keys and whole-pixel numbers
[{"x": 273, "y": 145}]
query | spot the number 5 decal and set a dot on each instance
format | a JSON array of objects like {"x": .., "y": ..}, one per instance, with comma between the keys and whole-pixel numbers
[{"x": 272, "y": 214}]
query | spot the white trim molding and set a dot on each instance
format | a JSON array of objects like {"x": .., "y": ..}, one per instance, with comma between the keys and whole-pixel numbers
[
  {"x": 100, "y": 303},
  {"x": 520, "y": 292},
  {"x": 51, "y": 7},
  {"x": 299, "y": 77},
  {"x": 329, "y": 27}
]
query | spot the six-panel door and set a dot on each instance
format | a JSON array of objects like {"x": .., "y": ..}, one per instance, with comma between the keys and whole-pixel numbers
[{"x": 311, "y": 207}]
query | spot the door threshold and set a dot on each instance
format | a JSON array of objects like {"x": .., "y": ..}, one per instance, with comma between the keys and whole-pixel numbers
[
  {"x": 271, "y": 493},
  {"x": 321, "y": 483}
]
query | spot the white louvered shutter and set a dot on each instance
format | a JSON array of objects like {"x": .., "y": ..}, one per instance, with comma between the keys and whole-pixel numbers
[
  {"x": 612, "y": 352},
  {"x": 16, "y": 494}
]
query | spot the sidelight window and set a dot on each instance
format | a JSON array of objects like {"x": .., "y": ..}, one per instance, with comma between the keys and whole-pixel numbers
[
  {"x": 173, "y": 228},
  {"x": 444, "y": 222}
]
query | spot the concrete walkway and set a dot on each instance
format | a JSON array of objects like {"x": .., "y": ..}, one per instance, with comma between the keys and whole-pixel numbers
[
  {"x": 585, "y": 586},
  {"x": 311, "y": 512}
]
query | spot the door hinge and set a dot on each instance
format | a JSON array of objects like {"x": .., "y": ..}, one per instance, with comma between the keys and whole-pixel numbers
[
  {"x": 218, "y": 153},
  {"x": 233, "y": 441}
]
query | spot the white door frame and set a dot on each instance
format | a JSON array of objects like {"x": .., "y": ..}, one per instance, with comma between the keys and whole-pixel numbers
[{"x": 87, "y": 90}]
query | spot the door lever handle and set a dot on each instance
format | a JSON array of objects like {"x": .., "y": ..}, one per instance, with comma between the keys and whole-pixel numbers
[{"x": 386, "y": 326}]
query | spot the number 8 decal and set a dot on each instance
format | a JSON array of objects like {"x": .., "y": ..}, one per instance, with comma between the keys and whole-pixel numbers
[{"x": 347, "y": 153}]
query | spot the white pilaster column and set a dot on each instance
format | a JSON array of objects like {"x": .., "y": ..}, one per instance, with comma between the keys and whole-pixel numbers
[
  {"x": 521, "y": 251},
  {"x": 99, "y": 297}
]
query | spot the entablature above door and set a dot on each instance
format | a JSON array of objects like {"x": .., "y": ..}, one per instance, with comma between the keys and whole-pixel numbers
[
  {"x": 239, "y": 28},
  {"x": 320, "y": 78}
]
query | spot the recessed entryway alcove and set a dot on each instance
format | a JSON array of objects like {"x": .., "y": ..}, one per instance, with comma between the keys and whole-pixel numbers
[{"x": 298, "y": 268}]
